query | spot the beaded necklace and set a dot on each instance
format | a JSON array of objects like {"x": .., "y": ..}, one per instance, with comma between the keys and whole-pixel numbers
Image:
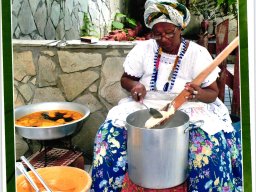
[{"x": 172, "y": 77}]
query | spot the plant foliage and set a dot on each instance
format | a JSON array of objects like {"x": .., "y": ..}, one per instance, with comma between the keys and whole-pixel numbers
[
  {"x": 211, "y": 9},
  {"x": 86, "y": 28},
  {"x": 122, "y": 21},
  {"x": 117, "y": 25},
  {"x": 229, "y": 6}
]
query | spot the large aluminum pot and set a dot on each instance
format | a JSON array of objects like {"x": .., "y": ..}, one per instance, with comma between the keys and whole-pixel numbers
[
  {"x": 157, "y": 158},
  {"x": 51, "y": 132}
]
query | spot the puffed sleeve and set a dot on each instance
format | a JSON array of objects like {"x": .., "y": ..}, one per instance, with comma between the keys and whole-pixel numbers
[
  {"x": 134, "y": 62},
  {"x": 202, "y": 61}
]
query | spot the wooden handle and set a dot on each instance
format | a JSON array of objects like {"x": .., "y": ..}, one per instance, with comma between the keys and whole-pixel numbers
[{"x": 180, "y": 99}]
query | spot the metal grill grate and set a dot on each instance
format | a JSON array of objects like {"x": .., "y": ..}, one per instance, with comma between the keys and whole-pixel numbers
[{"x": 53, "y": 157}]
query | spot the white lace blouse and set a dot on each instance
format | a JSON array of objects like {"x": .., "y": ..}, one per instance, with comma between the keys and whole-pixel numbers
[{"x": 140, "y": 63}]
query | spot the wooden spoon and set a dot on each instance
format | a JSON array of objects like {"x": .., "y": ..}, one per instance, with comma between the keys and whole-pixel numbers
[{"x": 181, "y": 98}]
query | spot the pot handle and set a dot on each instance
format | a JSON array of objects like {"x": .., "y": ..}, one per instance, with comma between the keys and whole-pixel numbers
[
  {"x": 118, "y": 123},
  {"x": 195, "y": 124}
]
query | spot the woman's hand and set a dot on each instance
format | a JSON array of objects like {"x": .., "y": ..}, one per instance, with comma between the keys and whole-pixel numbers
[
  {"x": 132, "y": 84},
  {"x": 206, "y": 94},
  {"x": 138, "y": 92}
]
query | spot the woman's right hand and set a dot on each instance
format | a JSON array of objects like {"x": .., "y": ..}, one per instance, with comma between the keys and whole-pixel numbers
[
  {"x": 138, "y": 92},
  {"x": 132, "y": 84}
]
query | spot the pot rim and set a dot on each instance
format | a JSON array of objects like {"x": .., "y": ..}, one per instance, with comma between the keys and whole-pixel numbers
[
  {"x": 24, "y": 107},
  {"x": 159, "y": 128}
]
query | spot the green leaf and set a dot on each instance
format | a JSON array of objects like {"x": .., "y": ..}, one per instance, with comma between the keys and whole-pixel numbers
[
  {"x": 230, "y": 2},
  {"x": 131, "y": 22},
  {"x": 117, "y": 25},
  {"x": 120, "y": 15},
  {"x": 220, "y": 2}
]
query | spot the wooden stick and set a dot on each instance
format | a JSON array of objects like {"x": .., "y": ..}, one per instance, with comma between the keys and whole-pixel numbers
[{"x": 180, "y": 99}]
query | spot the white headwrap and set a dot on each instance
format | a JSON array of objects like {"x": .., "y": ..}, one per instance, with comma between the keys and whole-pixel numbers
[{"x": 169, "y": 11}]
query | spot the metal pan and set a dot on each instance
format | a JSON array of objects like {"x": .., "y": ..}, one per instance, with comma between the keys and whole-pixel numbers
[{"x": 51, "y": 132}]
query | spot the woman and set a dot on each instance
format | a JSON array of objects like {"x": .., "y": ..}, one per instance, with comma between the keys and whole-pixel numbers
[{"x": 167, "y": 63}]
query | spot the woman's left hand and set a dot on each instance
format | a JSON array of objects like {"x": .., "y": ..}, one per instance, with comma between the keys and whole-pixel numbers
[
  {"x": 206, "y": 94},
  {"x": 194, "y": 90}
]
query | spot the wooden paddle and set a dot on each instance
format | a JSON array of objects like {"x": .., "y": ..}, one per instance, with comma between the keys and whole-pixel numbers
[{"x": 181, "y": 98}]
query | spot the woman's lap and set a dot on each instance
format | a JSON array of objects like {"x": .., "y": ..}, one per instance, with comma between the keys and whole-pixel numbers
[
  {"x": 110, "y": 160},
  {"x": 210, "y": 159},
  {"x": 214, "y": 162}
]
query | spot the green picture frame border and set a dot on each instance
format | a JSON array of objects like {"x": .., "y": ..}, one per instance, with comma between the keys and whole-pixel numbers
[
  {"x": 244, "y": 92},
  {"x": 8, "y": 95}
]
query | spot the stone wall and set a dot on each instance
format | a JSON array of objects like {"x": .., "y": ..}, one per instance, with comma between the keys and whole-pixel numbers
[
  {"x": 61, "y": 19},
  {"x": 74, "y": 72}
]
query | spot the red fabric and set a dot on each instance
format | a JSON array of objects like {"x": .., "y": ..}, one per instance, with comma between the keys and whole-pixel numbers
[{"x": 129, "y": 186}]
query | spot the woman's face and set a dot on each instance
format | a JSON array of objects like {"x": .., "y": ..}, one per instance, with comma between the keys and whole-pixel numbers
[{"x": 167, "y": 35}]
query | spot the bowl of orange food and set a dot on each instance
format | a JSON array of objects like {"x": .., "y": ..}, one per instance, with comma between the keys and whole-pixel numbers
[
  {"x": 57, "y": 178},
  {"x": 49, "y": 120}
]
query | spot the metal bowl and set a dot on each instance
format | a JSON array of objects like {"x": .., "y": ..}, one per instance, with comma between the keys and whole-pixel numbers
[
  {"x": 58, "y": 178},
  {"x": 51, "y": 132}
]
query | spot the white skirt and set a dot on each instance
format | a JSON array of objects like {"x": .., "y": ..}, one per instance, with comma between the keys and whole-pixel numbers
[{"x": 215, "y": 115}]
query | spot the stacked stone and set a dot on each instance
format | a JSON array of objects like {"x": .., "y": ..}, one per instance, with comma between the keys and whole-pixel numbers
[
  {"x": 61, "y": 19},
  {"x": 81, "y": 73}
]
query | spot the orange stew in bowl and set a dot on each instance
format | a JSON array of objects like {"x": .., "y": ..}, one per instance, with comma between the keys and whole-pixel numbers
[{"x": 48, "y": 118}]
